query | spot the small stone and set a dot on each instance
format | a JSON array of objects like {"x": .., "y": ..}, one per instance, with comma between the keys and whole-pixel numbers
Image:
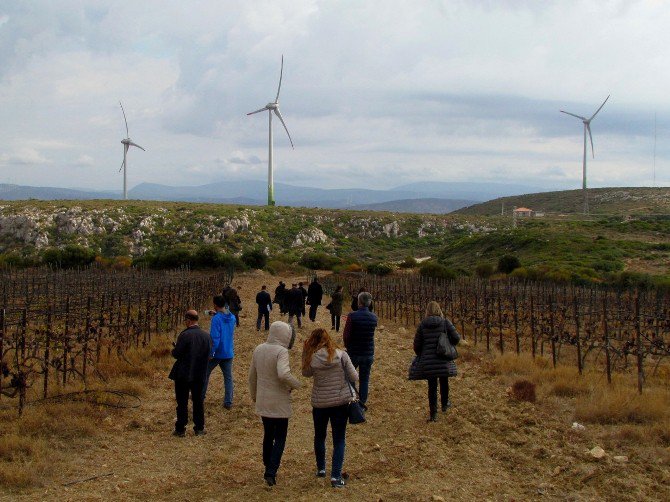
[
  {"x": 622, "y": 459},
  {"x": 437, "y": 498},
  {"x": 577, "y": 426},
  {"x": 597, "y": 452},
  {"x": 394, "y": 480}
]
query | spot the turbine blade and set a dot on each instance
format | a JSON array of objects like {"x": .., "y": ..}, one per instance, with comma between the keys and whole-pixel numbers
[
  {"x": 601, "y": 106},
  {"x": 258, "y": 111},
  {"x": 284, "y": 124},
  {"x": 125, "y": 120},
  {"x": 125, "y": 151},
  {"x": 138, "y": 146},
  {"x": 281, "y": 74},
  {"x": 588, "y": 128},
  {"x": 568, "y": 113}
]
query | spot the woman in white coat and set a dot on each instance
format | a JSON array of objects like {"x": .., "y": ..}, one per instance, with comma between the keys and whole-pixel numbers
[{"x": 270, "y": 386}]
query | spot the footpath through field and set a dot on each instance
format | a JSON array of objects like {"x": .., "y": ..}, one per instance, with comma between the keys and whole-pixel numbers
[{"x": 484, "y": 448}]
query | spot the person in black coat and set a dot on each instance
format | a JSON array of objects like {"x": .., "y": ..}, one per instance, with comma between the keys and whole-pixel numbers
[
  {"x": 304, "y": 297},
  {"x": 314, "y": 296},
  {"x": 264, "y": 307},
  {"x": 280, "y": 295},
  {"x": 233, "y": 301},
  {"x": 189, "y": 372},
  {"x": 295, "y": 303},
  {"x": 428, "y": 365}
]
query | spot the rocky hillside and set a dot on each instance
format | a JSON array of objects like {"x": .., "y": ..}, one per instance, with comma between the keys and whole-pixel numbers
[
  {"x": 602, "y": 201},
  {"x": 115, "y": 228}
]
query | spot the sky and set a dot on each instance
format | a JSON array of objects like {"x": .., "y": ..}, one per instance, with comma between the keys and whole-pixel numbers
[{"x": 375, "y": 94}]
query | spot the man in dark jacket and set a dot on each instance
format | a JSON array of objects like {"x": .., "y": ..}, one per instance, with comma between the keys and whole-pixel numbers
[
  {"x": 304, "y": 297},
  {"x": 280, "y": 295},
  {"x": 264, "y": 307},
  {"x": 295, "y": 303},
  {"x": 233, "y": 301},
  {"x": 314, "y": 296},
  {"x": 189, "y": 371},
  {"x": 359, "y": 340}
]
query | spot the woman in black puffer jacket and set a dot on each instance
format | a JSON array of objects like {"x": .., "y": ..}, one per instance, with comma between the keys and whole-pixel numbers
[{"x": 428, "y": 365}]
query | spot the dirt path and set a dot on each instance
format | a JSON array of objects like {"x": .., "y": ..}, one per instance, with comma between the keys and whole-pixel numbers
[{"x": 486, "y": 447}]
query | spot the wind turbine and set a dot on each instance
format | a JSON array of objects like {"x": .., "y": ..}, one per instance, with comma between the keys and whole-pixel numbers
[
  {"x": 587, "y": 128},
  {"x": 127, "y": 143},
  {"x": 273, "y": 107}
]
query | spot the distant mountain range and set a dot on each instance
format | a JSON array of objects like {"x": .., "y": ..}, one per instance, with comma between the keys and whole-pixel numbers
[{"x": 422, "y": 197}]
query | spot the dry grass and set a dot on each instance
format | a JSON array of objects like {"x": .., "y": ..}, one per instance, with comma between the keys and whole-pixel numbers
[{"x": 620, "y": 405}]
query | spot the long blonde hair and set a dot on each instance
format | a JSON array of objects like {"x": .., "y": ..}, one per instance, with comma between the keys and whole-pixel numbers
[
  {"x": 433, "y": 308},
  {"x": 318, "y": 339}
]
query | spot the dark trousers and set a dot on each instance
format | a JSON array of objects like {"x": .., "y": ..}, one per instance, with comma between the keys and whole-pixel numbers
[
  {"x": 338, "y": 416},
  {"x": 312, "y": 312},
  {"x": 298, "y": 316},
  {"x": 263, "y": 315},
  {"x": 364, "y": 366},
  {"x": 274, "y": 440},
  {"x": 335, "y": 321},
  {"x": 432, "y": 392},
  {"x": 236, "y": 313},
  {"x": 182, "y": 388}
]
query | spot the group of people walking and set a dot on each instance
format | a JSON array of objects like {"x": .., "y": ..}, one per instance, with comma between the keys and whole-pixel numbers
[{"x": 334, "y": 371}]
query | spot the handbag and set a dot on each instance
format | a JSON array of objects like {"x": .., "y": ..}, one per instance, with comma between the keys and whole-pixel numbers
[
  {"x": 356, "y": 410},
  {"x": 444, "y": 347}
]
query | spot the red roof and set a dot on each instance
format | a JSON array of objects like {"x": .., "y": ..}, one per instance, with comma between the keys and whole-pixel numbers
[{"x": 522, "y": 209}]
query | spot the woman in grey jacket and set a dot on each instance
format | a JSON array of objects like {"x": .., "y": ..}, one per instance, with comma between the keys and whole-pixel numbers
[
  {"x": 428, "y": 365},
  {"x": 331, "y": 396},
  {"x": 270, "y": 386}
]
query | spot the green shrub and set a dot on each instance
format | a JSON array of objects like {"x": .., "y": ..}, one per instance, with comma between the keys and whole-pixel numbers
[
  {"x": 207, "y": 256},
  {"x": 254, "y": 258},
  {"x": 436, "y": 271},
  {"x": 507, "y": 263},
  {"x": 408, "y": 262},
  {"x": 484, "y": 270},
  {"x": 319, "y": 261},
  {"x": 379, "y": 268},
  {"x": 72, "y": 256}
]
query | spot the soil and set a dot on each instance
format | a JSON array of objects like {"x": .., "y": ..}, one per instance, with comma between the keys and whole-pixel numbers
[{"x": 486, "y": 447}]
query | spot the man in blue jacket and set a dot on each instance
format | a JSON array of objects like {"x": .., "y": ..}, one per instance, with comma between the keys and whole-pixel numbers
[
  {"x": 221, "y": 331},
  {"x": 359, "y": 340}
]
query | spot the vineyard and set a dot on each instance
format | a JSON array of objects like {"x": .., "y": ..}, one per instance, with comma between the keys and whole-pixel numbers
[
  {"x": 57, "y": 326},
  {"x": 625, "y": 331}
]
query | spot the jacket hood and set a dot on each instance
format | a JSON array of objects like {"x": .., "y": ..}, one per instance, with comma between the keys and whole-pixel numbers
[
  {"x": 227, "y": 315},
  {"x": 320, "y": 359},
  {"x": 282, "y": 334},
  {"x": 432, "y": 321}
]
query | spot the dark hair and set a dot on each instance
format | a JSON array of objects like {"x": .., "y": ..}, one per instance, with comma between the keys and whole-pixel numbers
[
  {"x": 263, "y": 286},
  {"x": 190, "y": 316},
  {"x": 219, "y": 301},
  {"x": 338, "y": 288}
]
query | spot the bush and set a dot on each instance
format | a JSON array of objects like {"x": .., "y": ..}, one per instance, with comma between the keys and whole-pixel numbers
[
  {"x": 408, "y": 262},
  {"x": 254, "y": 258},
  {"x": 319, "y": 261},
  {"x": 436, "y": 271},
  {"x": 484, "y": 270},
  {"x": 72, "y": 256},
  {"x": 379, "y": 269},
  {"x": 507, "y": 263}
]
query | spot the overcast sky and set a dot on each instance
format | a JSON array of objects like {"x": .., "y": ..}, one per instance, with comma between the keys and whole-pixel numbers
[{"x": 375, "y": 93}]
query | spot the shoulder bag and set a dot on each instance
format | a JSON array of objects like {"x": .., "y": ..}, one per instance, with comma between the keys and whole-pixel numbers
[
  {"x": 356, "y": 410},
  {"x": 444, "y": 347}
]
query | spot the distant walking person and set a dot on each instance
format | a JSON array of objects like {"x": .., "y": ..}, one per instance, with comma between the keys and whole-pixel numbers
[
  {"x": 189, "y": 371},
  {"x": 430, "y": 366},
  {"x": 314, "y": 296},
  {"x": 280, "y": 295},
  {"x": 233, "y": 301},
  {"x": 222, "y": 330},
  {"x": 264, "y": 307},
  {"x": 336, "y": 301},
  {"x": 304, "y": 297},
  {"x": 354, "y": 300},
  {"x": 359, "y": 339},
  {"x": 270, "y": 386},
  {"x": 330, "y": 399},
  {"x": 295, "y": 303}
]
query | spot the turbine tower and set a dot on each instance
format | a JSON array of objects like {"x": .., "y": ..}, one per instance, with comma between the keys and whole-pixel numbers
[
  {"x": 127, "y": 143},
  {"x": 273, "y": 107},
  {"x": 587, "y": 128}
]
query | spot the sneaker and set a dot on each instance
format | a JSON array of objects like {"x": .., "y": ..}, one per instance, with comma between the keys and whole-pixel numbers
[
  {"x": 179, "y": 434},
  {"x": 321, "y": 473},
  {"x": 270, "y": 480},
  {"x": 227, "y": 406},
  {"x": 446, "y": 406},
  {"x": 337, "y": 482},
  {"x": 200, "y": 432},
  {"x": 433, "y": 417}
]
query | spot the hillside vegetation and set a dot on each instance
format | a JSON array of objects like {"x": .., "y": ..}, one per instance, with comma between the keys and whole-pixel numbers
[{"x": 601, "y": 201}]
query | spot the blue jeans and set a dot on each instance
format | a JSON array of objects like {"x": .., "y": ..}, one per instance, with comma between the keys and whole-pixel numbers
[
  {"x": 338, "y": 416},
  {"x": 364, "y": 365},
  {"x": 226, "y": 366}
]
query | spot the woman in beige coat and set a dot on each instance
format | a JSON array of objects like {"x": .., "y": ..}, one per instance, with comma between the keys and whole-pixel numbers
[
  {"x": 270, "y": 386},
  {"x": 331, "y": 395}
]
